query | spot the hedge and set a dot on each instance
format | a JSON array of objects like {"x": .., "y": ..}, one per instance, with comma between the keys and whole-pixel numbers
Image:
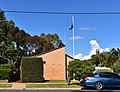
[{"x": 32, "y": 69}]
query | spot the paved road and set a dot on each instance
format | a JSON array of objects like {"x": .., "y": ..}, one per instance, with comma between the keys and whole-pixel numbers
[
  {"x": 103, "y": 90},
  {"x": 83, "y": 90},
  {"x": 40, "y": 91}
]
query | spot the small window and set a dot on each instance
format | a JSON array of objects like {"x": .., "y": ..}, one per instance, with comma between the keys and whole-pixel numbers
[
  {"x": 105, "y": 75},
  {"x": 115, "y": 76}
]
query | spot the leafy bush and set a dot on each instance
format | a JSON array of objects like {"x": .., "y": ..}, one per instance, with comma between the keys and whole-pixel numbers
[
  {"x": 5, "y": 71},
  {"x": 32, "y": 69},
  {"x": 78, "y": 69},
  {"x": 116, "y": 67},
  {"x": 5, "y": 74},
  {"x": 3, "y": 60},
  {"x": 6, "y": 66}
]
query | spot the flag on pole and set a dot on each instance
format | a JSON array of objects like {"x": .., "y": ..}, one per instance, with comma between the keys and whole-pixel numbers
[{"x": 72, "y": 25}]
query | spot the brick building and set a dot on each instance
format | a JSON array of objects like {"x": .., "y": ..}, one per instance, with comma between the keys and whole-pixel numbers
[{"x": 55, "y": 66}]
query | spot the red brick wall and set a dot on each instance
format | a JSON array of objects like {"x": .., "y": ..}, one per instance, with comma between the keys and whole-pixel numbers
[{"x": 54, "y": 68}]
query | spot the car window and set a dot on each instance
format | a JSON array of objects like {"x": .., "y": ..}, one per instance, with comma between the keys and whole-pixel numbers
[
  {"x": 105, "y": 75},
  {"x": 115, "y": 76}
]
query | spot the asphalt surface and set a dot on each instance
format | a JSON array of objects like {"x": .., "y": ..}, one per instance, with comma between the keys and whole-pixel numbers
[
  {"x": 62, "y": 90},
  {"x": 102, "y": 90},
  {"x": 40, "y": 91}
]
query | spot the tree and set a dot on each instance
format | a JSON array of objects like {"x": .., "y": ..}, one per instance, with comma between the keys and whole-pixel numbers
[
  {"x": 100, "y": 59},
  {"x": 110, "y": 58},
  {"x": 44, "y": 43},
  {"x": 3, "y": 58},
  {"x": 80, "y": 69},
  {"x": 114, "y": 55},
  {"x": 8, "y": 53},
  {"x": 11, "y": 35},
  {"x": 116, "y": 66},
  {"x": 44, "y": 46},
  {"x": 55, "y": 40},
  {"x": 106, "y": 59}
]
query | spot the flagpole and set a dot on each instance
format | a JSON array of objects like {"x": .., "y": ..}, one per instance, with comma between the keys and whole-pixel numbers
[
  {"x": 73, "y": 29},
  {"x": 73, "y": 34}
]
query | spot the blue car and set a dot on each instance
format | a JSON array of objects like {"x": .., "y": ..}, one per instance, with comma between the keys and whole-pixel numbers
[{"x": 101, "y": 79}]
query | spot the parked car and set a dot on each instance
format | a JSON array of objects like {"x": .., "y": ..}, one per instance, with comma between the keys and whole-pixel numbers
[{"x": 101, "y": 79}]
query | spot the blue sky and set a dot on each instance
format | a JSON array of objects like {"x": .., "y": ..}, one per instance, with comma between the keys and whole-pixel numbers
[{"x": 99, "y": 31}]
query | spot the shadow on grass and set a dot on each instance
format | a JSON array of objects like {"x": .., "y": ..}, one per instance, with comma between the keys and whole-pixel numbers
[
  {"x": 75, "y": 83},
  {"x": 46, "y": 81}
]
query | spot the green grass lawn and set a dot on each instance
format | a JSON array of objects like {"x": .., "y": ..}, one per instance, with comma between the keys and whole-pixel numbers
[
  {"x": 56, "y": 84},
  {"x": 61, "y": 81},
  {"x": 5, "y": 85},
  {"x": 51, "y": 86}
]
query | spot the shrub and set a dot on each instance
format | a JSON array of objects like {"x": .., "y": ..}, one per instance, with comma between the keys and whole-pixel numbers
[
  {"x": 6, "y": 66},
  {"x": 78, "y": 69},
  {"x": 5, "y": 74},
  {"x": 116, "y": 67},
  {"x": 5, "y": 71},
  {"x": 32, "y": 69}
]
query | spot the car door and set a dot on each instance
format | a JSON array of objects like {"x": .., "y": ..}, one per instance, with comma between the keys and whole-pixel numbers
[
  {"x": 116, "y": 80},
  {"x": 106, "y": 79}
]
